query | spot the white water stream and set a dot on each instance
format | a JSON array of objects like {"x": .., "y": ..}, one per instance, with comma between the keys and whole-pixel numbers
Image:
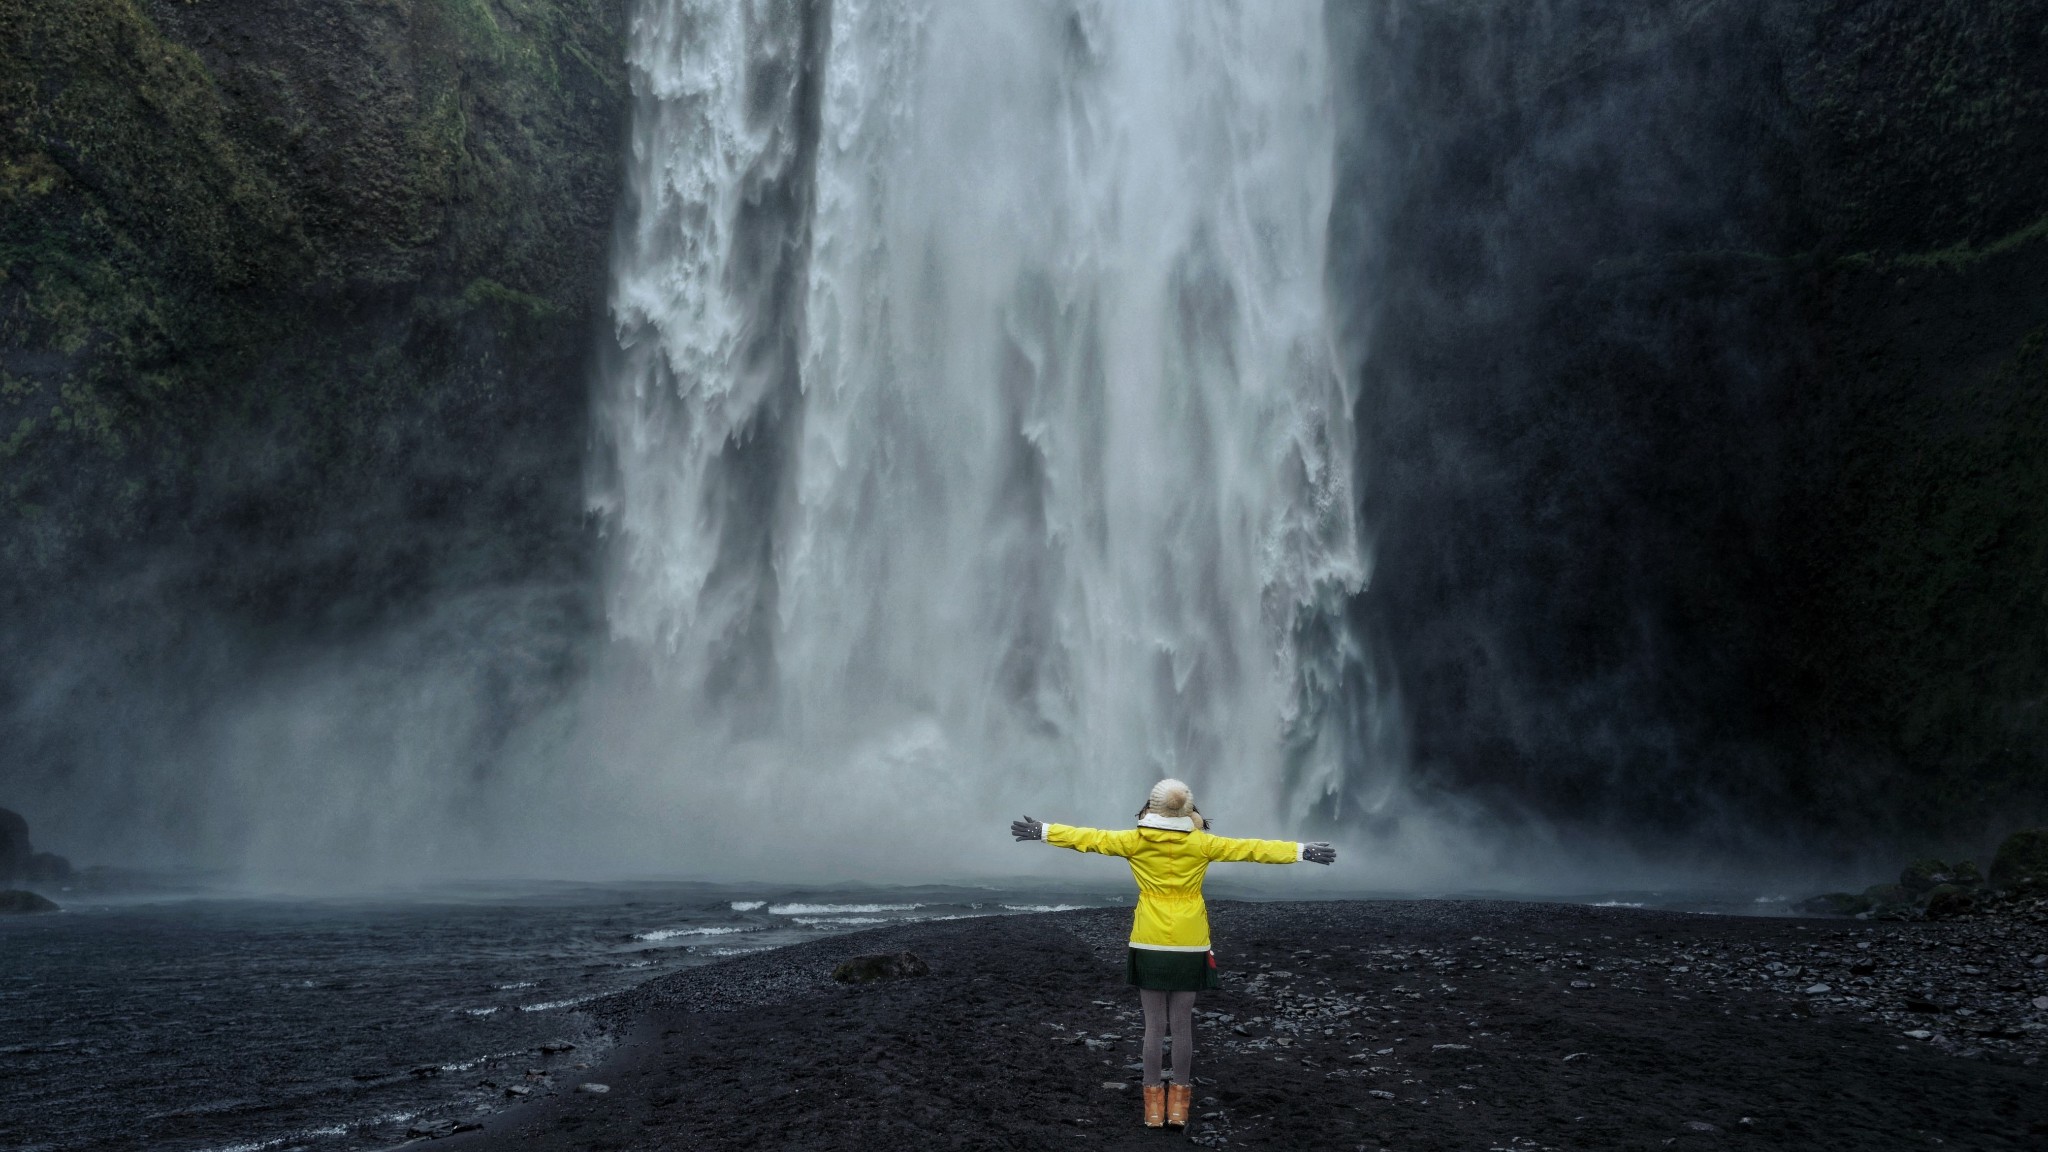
[{"x": 975, "y": 441}]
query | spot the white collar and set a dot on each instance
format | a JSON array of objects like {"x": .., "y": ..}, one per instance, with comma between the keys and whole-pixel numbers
[{"x": 1169, "y": 823}]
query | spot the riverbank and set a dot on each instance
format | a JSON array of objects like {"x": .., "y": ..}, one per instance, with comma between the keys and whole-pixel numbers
[{"x": 1395, "y": 1024}]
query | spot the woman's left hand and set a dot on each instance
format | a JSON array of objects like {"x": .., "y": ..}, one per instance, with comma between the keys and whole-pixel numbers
[
  {"x": 1027, "y": 829},
  {"x": 1319, "y": 853}
]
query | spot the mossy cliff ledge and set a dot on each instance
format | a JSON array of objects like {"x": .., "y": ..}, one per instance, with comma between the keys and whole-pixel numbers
[
  {"x": 295, "y": 323},
  {"x": 281, "y": 273}
]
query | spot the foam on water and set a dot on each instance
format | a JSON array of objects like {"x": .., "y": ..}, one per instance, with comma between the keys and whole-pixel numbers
[
  {"x": 838, "y": 909},
  {"x": 702, "y": 930}
]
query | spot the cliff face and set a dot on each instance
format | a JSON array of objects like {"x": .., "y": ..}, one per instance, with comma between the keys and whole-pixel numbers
[
  {"x": 294, "y": 331},
  {"x": 1702, "y": 351},
  {"x": 275, "y": 268}
]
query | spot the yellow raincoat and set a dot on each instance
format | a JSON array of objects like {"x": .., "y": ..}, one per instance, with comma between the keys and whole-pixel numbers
[{"x": 1168, "y": 859}]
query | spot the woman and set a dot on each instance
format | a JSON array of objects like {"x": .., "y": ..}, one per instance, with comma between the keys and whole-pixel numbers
[{"x": 1169, "y": 958}]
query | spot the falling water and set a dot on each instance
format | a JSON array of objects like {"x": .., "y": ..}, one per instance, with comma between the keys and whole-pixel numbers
[{"x": 975, "y": 440}]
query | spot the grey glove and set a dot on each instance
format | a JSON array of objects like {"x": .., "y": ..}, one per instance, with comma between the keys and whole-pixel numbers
[
  {"x": 1027, "y": 829},
  {"x": 1319, "y": 853}
]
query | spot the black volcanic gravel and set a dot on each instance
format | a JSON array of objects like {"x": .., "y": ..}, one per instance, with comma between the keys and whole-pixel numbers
[{"x": 1355, "y": 1025}]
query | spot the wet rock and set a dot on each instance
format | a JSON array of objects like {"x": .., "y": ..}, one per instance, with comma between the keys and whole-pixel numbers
[
  {"x": 2022, "y": 862},
  {"x": 1888, "y": 897},
  {"x": 883, "y": 966},
  {"x": 593, "y": 1089},
  {"x": 13, "y": 900},
  {"x": 1925, "y": 875},
  {"x": 1947, "y": 901},
  {"x": 1834, "y": 904},
  {"x": 515, "y": 1091},
  {"x": 1700, "y": 1126},
  {"x": 550, "y": 1047}
]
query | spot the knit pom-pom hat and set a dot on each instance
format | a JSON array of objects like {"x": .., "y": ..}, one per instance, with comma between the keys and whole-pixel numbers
[{"x": 1171, "y": 798}]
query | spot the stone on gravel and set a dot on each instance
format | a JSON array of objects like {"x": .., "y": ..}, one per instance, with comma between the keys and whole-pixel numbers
[
  {"x": 1699, "y": 1126},
  {"x": 14, "y": 900},
  {"x": 884, "y": 966},
  {"x": 1948, "y": 901},
  {"x": 550, "y": 1047},
  {"x": 1818, "y": 990},
  {"x": 2022, "y": 861},
  {"x": 1926, "y": 875},
  {"x": 1833, "y": 904},
  {"x": 594, "y": 1089}
]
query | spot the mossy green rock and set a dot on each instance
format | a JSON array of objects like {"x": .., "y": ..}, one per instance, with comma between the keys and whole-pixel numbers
[
  {"x": 14, "y": 900},
  {"x": 1888, "y": 895},
  {"x": 1928, "y": 874},
  {"x": 1947, "y": 901},
  {"x": 1834, "y": 904},
  {"x": 2022, "y": 862}
]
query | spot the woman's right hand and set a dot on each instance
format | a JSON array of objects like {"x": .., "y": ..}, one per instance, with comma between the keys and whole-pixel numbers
[
  {"x": 1027, "y": 829},
  {"x": 1319, "y": 853}
]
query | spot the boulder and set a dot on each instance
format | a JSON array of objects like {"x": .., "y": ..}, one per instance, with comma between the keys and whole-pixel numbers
[
  {"x": 1833, "y": 904},
  {"x": 2022, "y": 862},
  {"x": 1947, "y": 901},
  {"x": 14, "y": 849},
  {"x": 1923, "y": 876},
  {"x": 884, "y": 966},
  {"x": 13, "y": 900}
]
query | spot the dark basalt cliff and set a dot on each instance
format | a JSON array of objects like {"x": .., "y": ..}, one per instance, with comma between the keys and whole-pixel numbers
[
  {"x": 295, "y": 324},
  {"x": 278, "y": 270},
  {"x": 1706, "y": 405}
]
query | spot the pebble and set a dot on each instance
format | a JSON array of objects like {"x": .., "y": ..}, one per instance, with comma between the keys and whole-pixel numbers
[
  {"x": 1920, "y": 1034},
  {"x": 1818, "y": 990},
  {"x": 1115, "y": 1085},
  {"x": 1699, "y": 1126},
  {"x": 594, "y": 1089}
]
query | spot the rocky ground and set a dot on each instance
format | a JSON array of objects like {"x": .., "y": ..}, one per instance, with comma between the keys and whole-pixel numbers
[{"x": 1366, "y": 1025}]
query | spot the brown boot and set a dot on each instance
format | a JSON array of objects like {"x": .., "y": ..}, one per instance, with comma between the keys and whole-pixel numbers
[
  {"x": 1155, "y": 1105},
  {"x": 1179, "y": 1098}
]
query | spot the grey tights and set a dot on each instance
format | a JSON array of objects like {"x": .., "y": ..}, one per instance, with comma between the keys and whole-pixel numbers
[{"x": 1182, "y": 1007}]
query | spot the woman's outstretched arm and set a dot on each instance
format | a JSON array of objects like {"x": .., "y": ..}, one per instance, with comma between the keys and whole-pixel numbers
[
  {"x": 1117, "y": 843},
  {"x": 1225, "y": 849}
]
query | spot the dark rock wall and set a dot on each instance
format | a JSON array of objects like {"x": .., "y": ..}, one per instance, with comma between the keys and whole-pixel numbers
[
  {"x": 297, "y": 306},
  {"x": 1703, "y": 397}
]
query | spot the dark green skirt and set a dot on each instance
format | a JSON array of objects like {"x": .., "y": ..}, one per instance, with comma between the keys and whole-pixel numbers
[{"x": 1171, "y": 971}]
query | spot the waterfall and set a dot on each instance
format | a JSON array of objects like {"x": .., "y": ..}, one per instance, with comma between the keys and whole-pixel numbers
[{"x": 974, "y": 439}]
